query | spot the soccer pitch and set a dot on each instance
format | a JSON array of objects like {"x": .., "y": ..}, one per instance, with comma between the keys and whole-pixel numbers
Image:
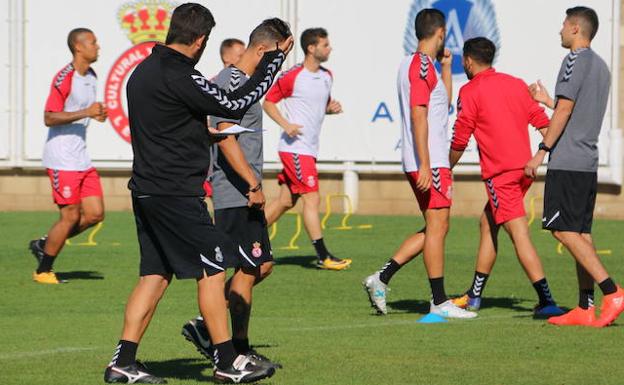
[{"x": 318, "y": 324}]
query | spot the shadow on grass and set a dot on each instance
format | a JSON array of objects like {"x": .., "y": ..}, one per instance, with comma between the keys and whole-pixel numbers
[
  {"x": 505, "y": 303},
  {"x": 422, "y": 307},
  {"x": 305, "y": 261},
  {"x": 182, "y": 369},
  {"x": 263, "y": 346},
  {"x": 410, "y": 306},
  {"x": 69, "y": 275},
  {"x": 185, "y": 369}
]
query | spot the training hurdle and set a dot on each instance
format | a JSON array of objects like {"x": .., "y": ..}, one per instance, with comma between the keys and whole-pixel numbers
[
  {"x": 347, "y": 213},
  {"x": 292, "y": 244},
  {"x": 90, "y": 238}
]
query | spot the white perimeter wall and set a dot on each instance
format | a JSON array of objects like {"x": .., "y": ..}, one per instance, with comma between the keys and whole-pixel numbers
[{"x": 368, "y": 40}]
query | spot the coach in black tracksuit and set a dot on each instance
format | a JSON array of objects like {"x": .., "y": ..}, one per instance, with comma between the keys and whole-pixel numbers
[{"x": 168, "y": 101}]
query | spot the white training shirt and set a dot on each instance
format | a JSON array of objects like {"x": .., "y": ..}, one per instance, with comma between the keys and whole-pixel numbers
[
  {"x": 66, "y": 148},
  {"x": 305, "y": 96},
  {"x": 419, "y": 84}
]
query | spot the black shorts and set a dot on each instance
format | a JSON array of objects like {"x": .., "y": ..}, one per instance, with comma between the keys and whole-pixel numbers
[
  {"x": 569, "y": 200},
  {"x": 177, "y": 236},
  {"x": 247, "y": 228}
]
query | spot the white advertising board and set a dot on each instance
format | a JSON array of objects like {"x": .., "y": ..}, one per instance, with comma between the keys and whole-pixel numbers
[
  {"x": 369, "y": 39},
  {"x": 5, "y": 91}
]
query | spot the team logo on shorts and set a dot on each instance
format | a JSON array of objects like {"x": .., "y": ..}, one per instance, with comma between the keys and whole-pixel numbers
[
  {"x": 449, "y": 193},
  {"x": 465, "y": 19},
  {"x": 256, "y": 251},
  {"x": 67, "y": 192},
  {"x": 218, "y": 254},
  {"x": 146, "y": 22},
  {"x": 311, "y": 181}
]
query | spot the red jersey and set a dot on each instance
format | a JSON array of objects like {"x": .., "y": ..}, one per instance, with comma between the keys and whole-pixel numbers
[{"x": 497, "y": 109}]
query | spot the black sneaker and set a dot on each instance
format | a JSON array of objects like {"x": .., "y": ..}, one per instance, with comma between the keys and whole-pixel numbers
[
  {"x": 261, "y": 360},
  {"x": 132, "y": 374},
  {"x": 195, "y": 332},
  {"x": 242, "y": 371},
  {"x": 36, "y": 248}
]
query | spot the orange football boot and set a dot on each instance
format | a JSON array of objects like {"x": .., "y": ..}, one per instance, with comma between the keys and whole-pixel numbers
[
  {"x": 612, "y": 307},
  {"x": 576, "y": 316}
]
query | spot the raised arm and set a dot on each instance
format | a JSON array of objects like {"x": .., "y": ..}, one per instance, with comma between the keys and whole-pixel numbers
[
  {"x": 536, "y": 115},
  {"x": 207, "y": 98},
  {"x": 446, "y": 60},
  {"x": 539, "y": 93}
]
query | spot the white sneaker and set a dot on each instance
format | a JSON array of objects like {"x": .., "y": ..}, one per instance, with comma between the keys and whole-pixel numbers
[
  {"x": 449, "y": 310},
  {"x": 376, "y": 291}
]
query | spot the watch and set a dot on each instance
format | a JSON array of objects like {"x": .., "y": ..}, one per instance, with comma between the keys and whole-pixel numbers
[{"x": 544, "y": 147}]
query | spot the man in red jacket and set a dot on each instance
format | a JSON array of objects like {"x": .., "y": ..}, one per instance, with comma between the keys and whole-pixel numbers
[{"x": 496, "y": 108}]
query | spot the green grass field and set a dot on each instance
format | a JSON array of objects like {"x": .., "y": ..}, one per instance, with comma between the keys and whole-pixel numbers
[{"x": 318, "y": 324}]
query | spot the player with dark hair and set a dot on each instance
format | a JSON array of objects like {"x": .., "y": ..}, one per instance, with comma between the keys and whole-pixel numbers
[
  {"x": 424, "y": 96},
  {"x": 76, "y": 187},
  {"x": 581, "y": 96},
  {"x": 305, "y": 93},
  {"x": 496, "y": 108},
  {"x": 238, "y": 198},
  {"x": 168, "y": 101}
]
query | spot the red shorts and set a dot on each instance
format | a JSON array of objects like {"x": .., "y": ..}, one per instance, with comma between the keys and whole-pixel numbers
[
  {"x": 506, "y": 195},
  {"x": 69, "y": 187},
  {"x": 208, "y": 189},
  {"x": 439, "y": 196},
  {"x": 299, "y": 173}
]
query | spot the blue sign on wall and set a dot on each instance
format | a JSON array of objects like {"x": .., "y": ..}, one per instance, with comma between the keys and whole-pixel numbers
[{"x": 465, "y": 19}]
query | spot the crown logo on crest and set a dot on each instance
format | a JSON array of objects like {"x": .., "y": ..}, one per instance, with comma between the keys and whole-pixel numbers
[{"x": 146, "y": 20}]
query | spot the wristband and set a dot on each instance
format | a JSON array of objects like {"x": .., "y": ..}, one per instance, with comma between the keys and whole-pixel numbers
[
  {"x": 256, "y": 189},
  {"x": 543, "y": 147}
]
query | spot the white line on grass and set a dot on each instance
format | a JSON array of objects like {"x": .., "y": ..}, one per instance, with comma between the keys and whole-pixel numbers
[
  {"x": 18, "y": 355},
  {"x": 350, "y": 326},
  {"x": 394, "y": 323}
]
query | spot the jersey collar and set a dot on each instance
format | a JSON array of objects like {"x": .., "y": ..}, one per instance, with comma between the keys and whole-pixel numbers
[{"x": 488, "y": 71}]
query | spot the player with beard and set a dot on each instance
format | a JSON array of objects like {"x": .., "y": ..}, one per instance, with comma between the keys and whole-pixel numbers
[
  {"x": 305, "y": 93},
  {"x": 497, "y": 109},
  {"x": 168, "y": 103},
  {"x": 424, "y": 96}
]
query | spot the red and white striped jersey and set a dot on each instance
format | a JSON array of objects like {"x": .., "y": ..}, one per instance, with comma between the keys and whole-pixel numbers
[
  {"x": 305, "y": 96},
  {"x": 65, "y": 147},
  {"x": 419, "y": 84}
]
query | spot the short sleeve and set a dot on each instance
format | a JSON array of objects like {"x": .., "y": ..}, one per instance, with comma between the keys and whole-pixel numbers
[
  {"x": 59, "y": 90},
  {"x": 422, "y": 79},
  {"x": 572, "y": 75},
  {"x": 284, "y": 85}
]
